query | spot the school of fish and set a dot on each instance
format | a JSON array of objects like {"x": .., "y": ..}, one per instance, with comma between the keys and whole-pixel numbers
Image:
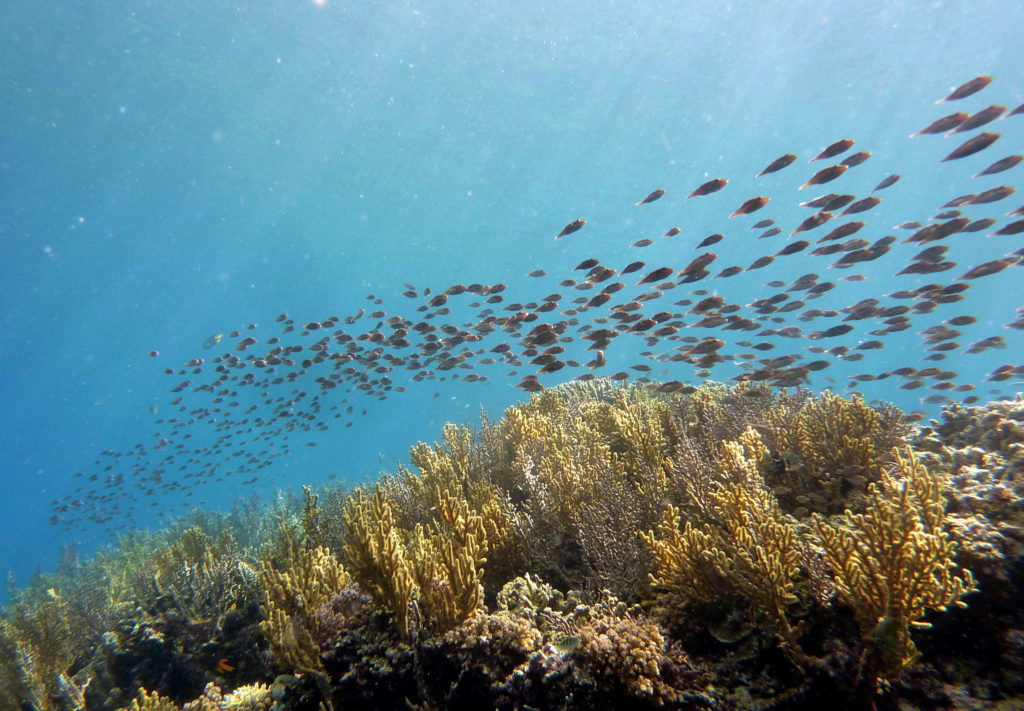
[{"x": 253, "y": 396}]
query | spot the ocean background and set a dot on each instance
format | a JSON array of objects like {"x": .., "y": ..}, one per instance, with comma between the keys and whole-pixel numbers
[{"x": 174, "y": 170}]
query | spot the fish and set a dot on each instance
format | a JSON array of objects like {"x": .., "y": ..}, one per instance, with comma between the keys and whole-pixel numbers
[
  {"x": 988, "y": 268},
  {"x": 856, "y": 159},
  {"x": 711, "y": 186},
  {"x": 632, "y": 267},
  {"x": 887, "y": 182},
  {"x": 981, "y": 118},
  {"x": 752, "y": 205},
  {"x": 1013, "y": 228},
  {"x": 574, "y": 226},
  {"x": 943, "y": 124},
  {"x": 862, "y": 205},
  {"x": 770, "y": 233},
  {"x": 672, "y": 232},
  {"x": 657, "y": 275},
  {"x": 825, "y": 175},
  {"x": 993, "y": 194},
  {"x": 778, "y": 164},
  {"x": 973, "y": 145},
  {"x": 728, "y": 272},
  {"x": 762, "y": 224},
  {"x": 537, "y": 273},
  {"x": 814, "y": 221},
  {"x": 586, "y": 264},
  {"x": 1000, "y": 165},
  {"x": 710, "y": 240},
  {"x": 793, "y": 248},
  {"x": 840, "y": 146},
  {"x": 967, "y": 89},
  {"x": 656, "y": 195}
]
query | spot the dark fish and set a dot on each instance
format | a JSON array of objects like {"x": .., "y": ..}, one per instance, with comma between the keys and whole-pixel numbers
[
  {"x": 839, "y": 202},
  {"x": 712, "y": 186},
  {"x": 1015, "y": 112},
  {"x": 856, "y": 159},
  {"x": 931, "y": 254},
  {"x": 961, "y": 200},
  {"x": 961, "y": 320},
  {"x": 672, "y": 232},
  {"x": 652, "y": 197},
  {"x": 632, "y": 267},
  {"x": 979, "y": 225},
  {"x": 973, "y": 145},
  {"x": 793, "y": 248},
  {"x": 643, "y": 243},
  {"x": 967, "y": 88},
  {"x": 710, "y": 240},
  {"x": 571, "y": 227},
  {"x": 537, "y": 273},
  {"x": 988, "y": 268},
  {"x": 1000, "y": 165},
  {"x": 832, "y": 332},
  {"x": 826, "y": 175},
  {"x": 862, "y": 205},
  {"x": 948, "y": 215},
  {"x": 821, "y": 201},
  {"x": 752, "y": 205},
  {"x": 835, "y": 149},
  {"x": 762, "y": 224},
  {"x": 770, "y": 233},
  {"x": 908, "y": 226},
  {"x": 586, "y": 264},
  {"x": 984, "y": 116},
  {"x": 656, "y": 275},
  {"x": 816, "y": 220},
  {"x": 778, "y": 164},
  {"x": 1014, "y": 228},
  {"x": 993, "y": 194},
  {"x": 943, "y": 124},
  {"x": 728, "y": 272},
  {"x": 844, "y": 230},
  {"x": 154, "y": 354},
  {"x": 887, "y": 182},
  {"x": 761, "y": 262},
  {"x": 699, "y": 263}
]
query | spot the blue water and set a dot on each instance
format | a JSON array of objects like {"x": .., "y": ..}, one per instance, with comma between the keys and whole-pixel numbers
[{"x": 170, "y": 171}]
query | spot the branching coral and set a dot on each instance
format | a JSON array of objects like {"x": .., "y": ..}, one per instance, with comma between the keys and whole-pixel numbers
[
  {"x": 293, "y": 596},
  {"x": 895, "y": 561},
  {"x": 745, "y": 542},
  {"x": 827, "y": 445},
  {"x": 430, "y": 577}
]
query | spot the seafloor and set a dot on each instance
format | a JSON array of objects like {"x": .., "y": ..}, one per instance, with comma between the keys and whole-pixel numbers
[{"x": 599, "y": 547}]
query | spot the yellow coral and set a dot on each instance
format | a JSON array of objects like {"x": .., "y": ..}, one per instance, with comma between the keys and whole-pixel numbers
[
  {"x": 895, "y": 561},
  {"x": 293, "y": 596},
  {"x": 436, "y": 574}
]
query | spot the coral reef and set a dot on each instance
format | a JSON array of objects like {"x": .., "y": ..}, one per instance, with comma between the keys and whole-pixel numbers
[{"x": 600, "y": 546}]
